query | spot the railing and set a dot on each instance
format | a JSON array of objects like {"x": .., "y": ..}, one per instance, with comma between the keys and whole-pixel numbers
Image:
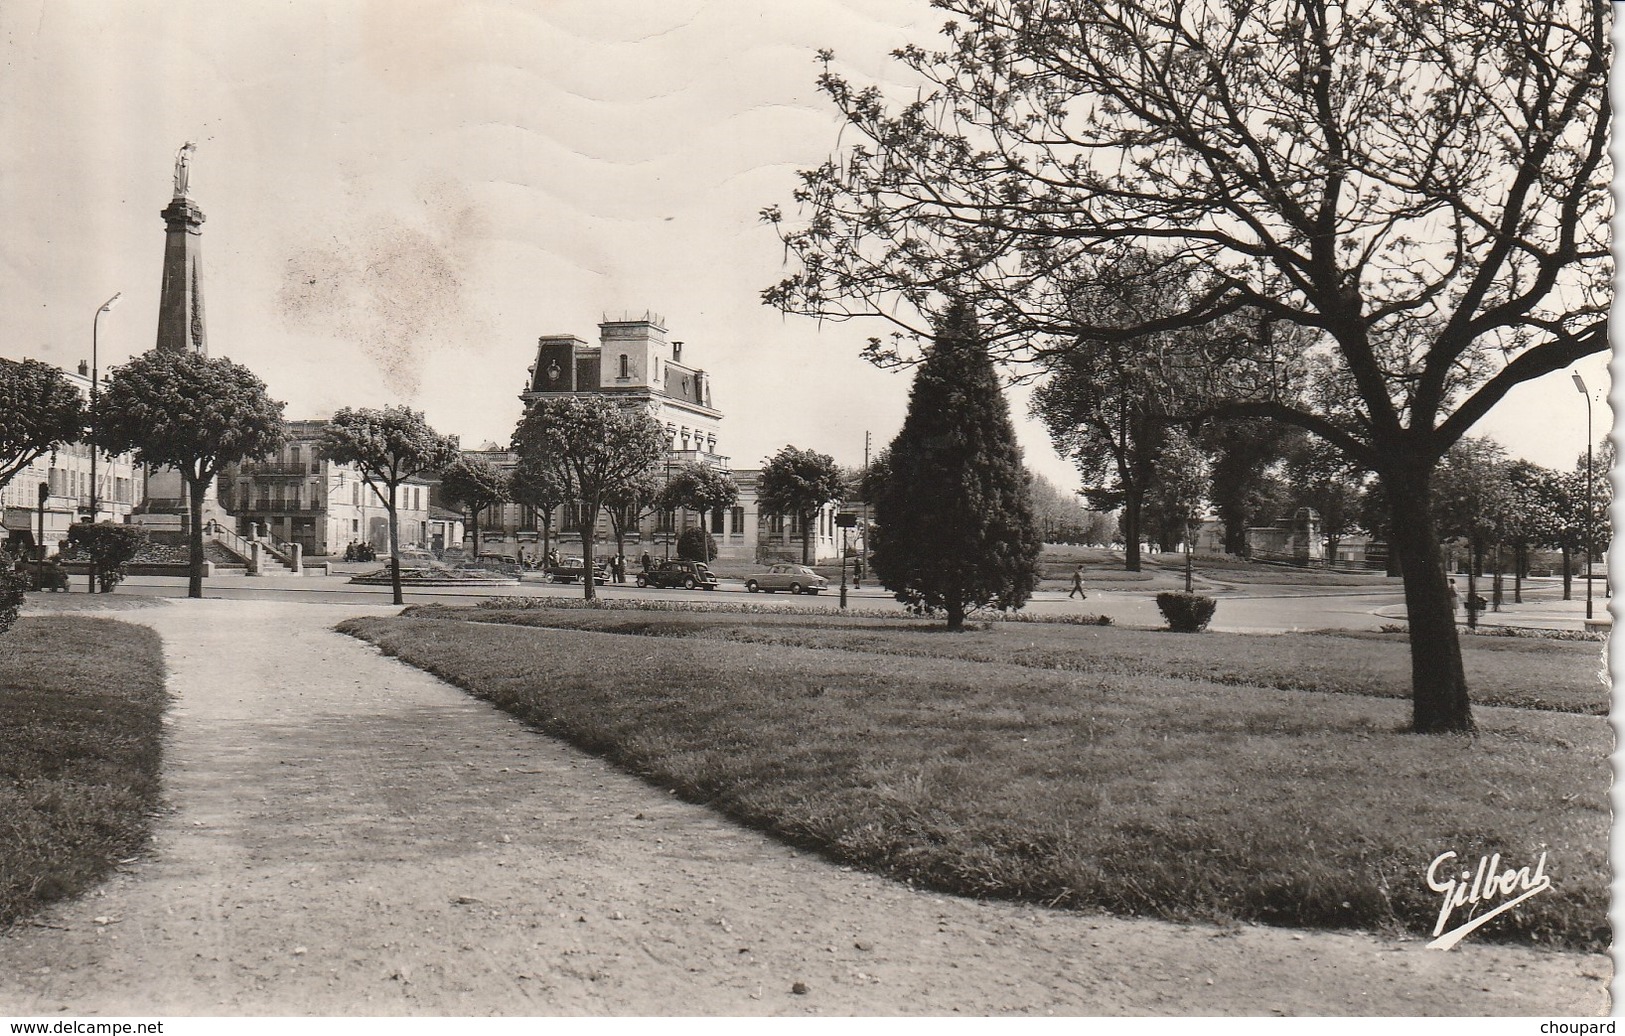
[
  {"x": 283, "y": 552},
  {"x": 233, "y": 542}
]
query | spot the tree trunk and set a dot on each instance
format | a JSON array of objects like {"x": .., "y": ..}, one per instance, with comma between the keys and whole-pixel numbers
[
  {"x": 1519, "y": 561},
  {"x": 1439, "y": 702},
  {"x": 589, "y": 518},
  {"x": 1568, "y": 575},
  {"x": 956, "y": 614},
  {"x": 474, "y": 523},
  {"x": 806, "y": 531},
  {"x": 395, "y": 549},
  {"x": 1131, "y": 530},
  {"x": 194, "y": 574}
]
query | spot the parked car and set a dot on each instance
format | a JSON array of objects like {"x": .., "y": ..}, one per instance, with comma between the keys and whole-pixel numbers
[
  {"x": 689, "y": 575},
  {"x": 798, "y": 579},
  {"x": 570, "y": 569}
]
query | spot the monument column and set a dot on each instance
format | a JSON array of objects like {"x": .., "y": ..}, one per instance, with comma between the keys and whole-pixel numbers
[
  {"x": 180, "y": 330},
  {"x": 180, "y": 295}
]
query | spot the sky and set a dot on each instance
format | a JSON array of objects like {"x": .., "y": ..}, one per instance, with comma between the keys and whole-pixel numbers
[{"x": 403, "y": 195}]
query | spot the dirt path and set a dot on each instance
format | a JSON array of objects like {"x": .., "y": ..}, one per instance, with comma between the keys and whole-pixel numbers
[{"x": 349, "y": 836}]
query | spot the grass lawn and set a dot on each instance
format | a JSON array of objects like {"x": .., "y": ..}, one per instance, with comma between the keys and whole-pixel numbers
[
  {"x": 1527, "y": 673},
  {"x": 80, "y": 706},
  {"x": 1127, "y": 790}
]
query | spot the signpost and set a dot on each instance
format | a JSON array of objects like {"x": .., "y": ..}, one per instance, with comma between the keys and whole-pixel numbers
[
  {"x": 844, "y": 520},
  {"x": 39, "y": 547}
]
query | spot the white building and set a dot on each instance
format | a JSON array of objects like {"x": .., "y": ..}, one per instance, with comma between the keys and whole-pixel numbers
[
  {"x": 634, "y": 361},
  {"x": 66, "y": 472},
  {"x": 297, "y": 497}
]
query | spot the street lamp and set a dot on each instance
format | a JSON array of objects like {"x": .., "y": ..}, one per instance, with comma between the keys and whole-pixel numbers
[
  {"x": 1580, "y": 384},
  {"x": 95, "y": 378}
]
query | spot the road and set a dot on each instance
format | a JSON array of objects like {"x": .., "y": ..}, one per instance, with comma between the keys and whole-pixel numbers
[
  {"x": 1257, "y": 614},
  {"x": 1243, "y": 608}
]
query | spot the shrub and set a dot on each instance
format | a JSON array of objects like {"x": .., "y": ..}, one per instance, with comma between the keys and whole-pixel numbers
[
  {"x": 108, "y": 547},
  {"x": 695, "y": 544},
  {"x": 12, "y": 587},
  {"x": 1186, "y": 613}
]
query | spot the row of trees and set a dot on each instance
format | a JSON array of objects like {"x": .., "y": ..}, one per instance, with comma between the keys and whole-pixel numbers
[
  {"x": 1490, "y": 502},
  {"x": 1366, "y": 221},
  {"x": 197, "y": 414},
  {"x": 605, "y": 456}
]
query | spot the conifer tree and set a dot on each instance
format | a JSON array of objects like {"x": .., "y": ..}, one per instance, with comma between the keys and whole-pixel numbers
[{"x": 954, "y": 504}]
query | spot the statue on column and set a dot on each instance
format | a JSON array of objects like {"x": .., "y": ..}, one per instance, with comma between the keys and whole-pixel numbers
[{"x": 183, "y": 160}]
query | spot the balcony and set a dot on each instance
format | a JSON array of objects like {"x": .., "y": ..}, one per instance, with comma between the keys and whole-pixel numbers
[
  {"x": 263, "y": 507},
  {"x": 274, "y": 469},
  {"x": 715, "y": 460}
]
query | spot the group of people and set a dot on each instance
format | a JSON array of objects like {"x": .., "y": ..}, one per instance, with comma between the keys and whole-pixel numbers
[{"x": 614, "y": 565}]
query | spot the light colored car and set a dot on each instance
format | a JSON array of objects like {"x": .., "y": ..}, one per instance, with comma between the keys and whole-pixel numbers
[{"x": 798, "y": 579}]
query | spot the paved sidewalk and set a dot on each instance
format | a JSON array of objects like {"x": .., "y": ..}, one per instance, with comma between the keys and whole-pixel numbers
[{"x": 349, "y": 836}]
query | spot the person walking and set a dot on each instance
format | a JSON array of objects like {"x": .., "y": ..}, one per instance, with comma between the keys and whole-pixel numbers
[{"x": 1077, "y": 584}]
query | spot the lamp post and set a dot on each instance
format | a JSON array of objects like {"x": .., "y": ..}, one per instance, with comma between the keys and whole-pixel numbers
[
  {"x": 843, "y": 566},
  {"x": 95, "y": 378},
  {"x": 1590, "y": 504}
]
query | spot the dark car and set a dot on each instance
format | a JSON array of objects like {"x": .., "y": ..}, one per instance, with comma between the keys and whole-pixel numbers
[
  {"x": 570, "y": 569},
  {"x": 687, "y": 574}
]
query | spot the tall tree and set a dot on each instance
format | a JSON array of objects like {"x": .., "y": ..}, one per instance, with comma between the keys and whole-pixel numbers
[
  {"x": 1473, "y": 497},
  {"x": 1594, "y": 526},
  {"x": 954, "y": 506},
  {"x": 40, "y": 409},
  {"x": 595, "y": 448},
  {"x": 536, "y": 485},
  {"x": 388, "y": 447},
  {"x": 1242, "y": 455},
  {"x": 628, "y": 503},
  {"x": 1059, "y": 514},
  {"x": 1419, "y": 185},
  {"x": 799, "y": 482},
  {"x": 1183, "y": 479},
  {"x": 474, "y": 484},
  {"x": 700, "y": 487},
  {"x": 189, "y": 412},
  {"x": 1107, "y": 405}
]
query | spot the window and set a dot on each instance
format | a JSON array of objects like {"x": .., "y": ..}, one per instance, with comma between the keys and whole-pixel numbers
[
  {"x": 716, "y": 520},
  {"x": 625, "y": 372}
]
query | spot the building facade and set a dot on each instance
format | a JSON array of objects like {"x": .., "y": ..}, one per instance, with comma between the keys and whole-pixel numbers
[
  {"x": 635, "y": 361},
  {"x": 298, "y": 497},
  {"x": 66, "y": 473}
]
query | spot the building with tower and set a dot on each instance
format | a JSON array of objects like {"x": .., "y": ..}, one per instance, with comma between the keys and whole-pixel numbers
[{"x": 634, "y": 360}]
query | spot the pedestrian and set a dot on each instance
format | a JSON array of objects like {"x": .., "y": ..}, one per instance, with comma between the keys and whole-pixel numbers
[
  {"x": 620, "y": 568},
  {"x": 1077, "y": 584},
  {"x": 647, "y": 561}
]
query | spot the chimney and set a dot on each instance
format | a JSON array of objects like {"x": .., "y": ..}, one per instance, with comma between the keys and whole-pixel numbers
[
  {"x": 84, "y": 369},
  {"x": 677, "y": 352}
]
